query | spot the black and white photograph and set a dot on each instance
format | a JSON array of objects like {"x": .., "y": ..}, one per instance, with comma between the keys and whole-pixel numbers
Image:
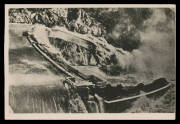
[{"x": 90, "y": 59}]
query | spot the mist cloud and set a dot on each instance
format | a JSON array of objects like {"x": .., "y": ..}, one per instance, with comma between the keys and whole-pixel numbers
[{"x": 156, "y": 55}]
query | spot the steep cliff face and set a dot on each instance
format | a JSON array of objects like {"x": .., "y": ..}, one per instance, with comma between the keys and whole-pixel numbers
[
  {"x": 73, "y": 19},
  {"x": 140, "y": 32},
  {"x": 76, "y": 20}
]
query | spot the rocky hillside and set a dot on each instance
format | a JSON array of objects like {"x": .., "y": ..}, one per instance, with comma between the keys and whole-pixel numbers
[
  {"x": 84, "y": 21},
  {"x": 128, "y": 28},
  {"x": 73, "y": 19}
]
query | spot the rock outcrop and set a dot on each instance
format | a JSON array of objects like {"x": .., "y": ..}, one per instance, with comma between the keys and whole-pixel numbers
[{"x": 100, "y": 23}]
